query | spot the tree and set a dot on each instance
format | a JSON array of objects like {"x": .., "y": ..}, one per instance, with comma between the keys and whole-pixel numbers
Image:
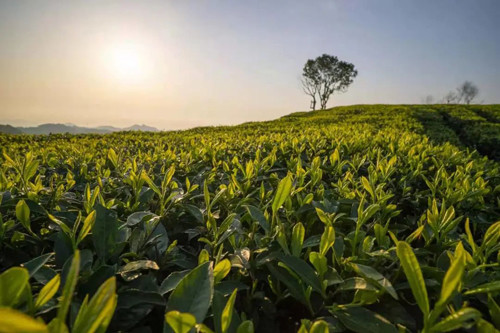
[
  {"x": 467, "y": 91},
  {"x": 322, "y": 76},
  {"x": 311, "y": 89},
  {"x": 450, "y": 98}
]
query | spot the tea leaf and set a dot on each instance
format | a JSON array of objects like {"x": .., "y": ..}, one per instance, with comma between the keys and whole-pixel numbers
[
  {"x": 194, "y": 292},
  {"x": 414, "y": 275}
]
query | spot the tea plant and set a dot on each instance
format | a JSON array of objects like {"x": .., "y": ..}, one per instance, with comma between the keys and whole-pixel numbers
[{"x": 377, "y": 218}]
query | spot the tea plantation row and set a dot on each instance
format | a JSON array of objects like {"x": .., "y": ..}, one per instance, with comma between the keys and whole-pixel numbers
[{"x": 376, "y": 218}]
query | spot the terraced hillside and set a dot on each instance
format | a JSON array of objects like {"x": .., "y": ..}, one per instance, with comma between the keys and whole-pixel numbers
[{"x": 379, "y": 218}]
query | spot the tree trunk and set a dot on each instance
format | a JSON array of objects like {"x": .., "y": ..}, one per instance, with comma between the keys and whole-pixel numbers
[{"x": 324, "y": 101}]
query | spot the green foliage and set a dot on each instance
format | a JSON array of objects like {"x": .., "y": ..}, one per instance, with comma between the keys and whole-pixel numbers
[
  {"x": 364, "y": 218},
  {"x": 13, "y": 283},
  {"x": 414, "y": 275},
  {"x": 16, "y": 321},
  {"x": 194, "y": 292},
  {"x": 48, "y": 291},
  {"x": 325, "y": 75},
  {"x": 180, "y": 322}
]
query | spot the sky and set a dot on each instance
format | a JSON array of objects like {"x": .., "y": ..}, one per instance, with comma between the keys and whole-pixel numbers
[{"x": 181, "y": 64}]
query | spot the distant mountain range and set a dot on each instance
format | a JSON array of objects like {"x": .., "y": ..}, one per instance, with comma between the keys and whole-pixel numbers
[{"x": 72, "y": 129}]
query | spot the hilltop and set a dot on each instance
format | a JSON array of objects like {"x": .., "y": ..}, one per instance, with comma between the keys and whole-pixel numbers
[{"x": 472, "y": 126}]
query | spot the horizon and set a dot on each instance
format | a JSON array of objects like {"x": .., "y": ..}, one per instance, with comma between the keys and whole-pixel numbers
[
  {"x": 183, "y": 65},
  {"x": 236, "y": 124}
]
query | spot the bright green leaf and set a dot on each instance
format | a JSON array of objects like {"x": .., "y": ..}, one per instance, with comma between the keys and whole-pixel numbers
[
  {"x": 48, "y": 291},
  {"x": 180, "y": 322},
  {"x": 414, "y": 275},
  {"x": 194, "y": 292},
  {"x": 15, "y": 321}
]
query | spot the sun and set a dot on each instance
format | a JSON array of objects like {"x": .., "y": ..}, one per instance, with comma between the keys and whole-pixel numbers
[{"x": 126, "y": 63}]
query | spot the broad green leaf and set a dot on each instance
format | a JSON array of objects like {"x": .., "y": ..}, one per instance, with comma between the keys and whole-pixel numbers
[
  {"x": 491, "y": 238},
  {"x": 180, "y": 322},
  {"x": 113, "y": 158},
  {"x": 356, "y": 283},
  {"x": 485, "y": 327},
  {"x": 295, "y": 287},
  {"x": 138, "y": 217},
  {"x": 298, "y": 233},
  {"x": 303, "y": 270},
  {"x": 494, "y": 310},
  {"x": 457, "y": 320},
  {"x": 282, "y": 193},
  {"x": 221, "y": 270},
  {"x": 194, "y": 292},
  {"x": 172, "y": 281},
  {"x": 168, "y": 177},
  {"x": 470, "y": 238},
  {"x": 62, "y": 225},
  {"x": 150, "y": 183},
  {"x": 368, "y": 187},
  {"x": 13, "y": 282},
  {"x": 362, "y": 320},
  {"x": 282, "y": 238},
  {"x": 131, "y": 298},
  {"x": 370, "y": 273},
  {"x": 105, "y": 232},
  {"x": 319, "y": 262},
  {"x": 492, "y": 235},
  {"x": 68, "y": 290},
  {"x": 15, "y": 321},
  {"x": 97, "y": 315},
  {"x": 322, "y": 216},
  {"x": 217, "y": 197},
  {"x": 218, "y": 304},
  {"x": 327, "y": 240},
  {"x": 257, "y": 215},
  {"x": 414, "y": 275},
  {"x": 227, "y": 313},
  {"x": 48, "y": 291},
  {"x": 10, "y": 161},
  {"x": 23, "y": 214},
  {"x": 206, "y": 195},
  {"x": 368, "y": 213},
  {"x": 452, "y": 278},
  {"x": 88, "y": 223}
]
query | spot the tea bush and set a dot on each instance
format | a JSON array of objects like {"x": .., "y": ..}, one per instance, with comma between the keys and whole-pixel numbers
[{"x": 376, "y": 218}]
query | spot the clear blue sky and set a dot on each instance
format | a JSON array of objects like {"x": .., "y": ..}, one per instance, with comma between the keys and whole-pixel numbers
[{"x": 178, "y": 64}]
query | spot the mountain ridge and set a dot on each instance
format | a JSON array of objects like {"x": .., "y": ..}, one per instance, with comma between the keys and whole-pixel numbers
[{"x": 57, "y": 128}]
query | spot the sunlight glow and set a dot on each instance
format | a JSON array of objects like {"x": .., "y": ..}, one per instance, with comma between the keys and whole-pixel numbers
[{"x": 126, "y": 63}]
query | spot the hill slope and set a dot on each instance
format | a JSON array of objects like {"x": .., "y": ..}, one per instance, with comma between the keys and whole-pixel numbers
[
  {"x": 360, "y": 218},
  {"x": 473, "y": 126}
]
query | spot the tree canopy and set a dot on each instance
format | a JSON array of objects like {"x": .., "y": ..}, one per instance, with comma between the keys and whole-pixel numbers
[{"x": 322, "y": 76}]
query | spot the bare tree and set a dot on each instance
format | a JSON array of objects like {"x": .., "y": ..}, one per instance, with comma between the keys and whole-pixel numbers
[
  {"x": 310, "y": 88},
  {"x": 324, "y": 75},
  {"x": 450, "y": 98},
  {"x": 467, "y": 91}
]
